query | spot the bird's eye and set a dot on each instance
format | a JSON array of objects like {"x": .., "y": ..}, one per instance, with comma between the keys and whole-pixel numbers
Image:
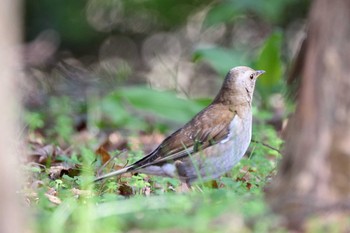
[{"x": 251, "y": 76}]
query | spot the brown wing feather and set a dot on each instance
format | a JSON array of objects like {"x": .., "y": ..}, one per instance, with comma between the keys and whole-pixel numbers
[{"x": 202, "y": 131}]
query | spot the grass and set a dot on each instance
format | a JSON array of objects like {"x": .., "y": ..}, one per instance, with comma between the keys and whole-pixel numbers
[
  {"x": 235, "y": 204},
  {"x": 63, "y": 199}
]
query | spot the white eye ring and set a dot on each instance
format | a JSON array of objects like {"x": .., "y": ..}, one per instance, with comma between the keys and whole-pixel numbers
[{"x": 251, "y": 76}]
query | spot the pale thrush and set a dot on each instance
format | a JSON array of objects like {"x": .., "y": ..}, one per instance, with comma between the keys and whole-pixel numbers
[{"x": 212, "y": 142}]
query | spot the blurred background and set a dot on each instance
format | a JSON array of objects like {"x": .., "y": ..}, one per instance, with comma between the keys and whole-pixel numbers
[
  {"x": 106, "y": 80},
  {"x": 107, "y": 60}
]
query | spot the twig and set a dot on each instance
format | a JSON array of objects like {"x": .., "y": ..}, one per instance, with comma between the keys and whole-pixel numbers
[{"x": 266, "y": 145}]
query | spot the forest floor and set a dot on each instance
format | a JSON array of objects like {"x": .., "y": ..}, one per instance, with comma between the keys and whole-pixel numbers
[{"x": 65, "y": 152}]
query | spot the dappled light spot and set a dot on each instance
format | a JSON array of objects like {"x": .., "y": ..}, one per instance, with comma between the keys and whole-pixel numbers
[
  {"x": 162, "y": 48},
  {"x": 104, "y": 17},
  {"x": 141, "y": 21},
  {"x": 118, "y": 46}
]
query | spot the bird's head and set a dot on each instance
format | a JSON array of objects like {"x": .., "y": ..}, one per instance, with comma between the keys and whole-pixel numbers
[{"x": 239, "y": 85}]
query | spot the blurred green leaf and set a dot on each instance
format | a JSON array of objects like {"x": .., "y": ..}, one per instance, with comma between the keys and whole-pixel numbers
[
  {"x": 61, "y": 111},
  {"x": 163, "y": 104},
  {"x": 270, "y": 61},
  {"x": 222, "y": 59},
  {"x": 271, "y": 11},
  {"x": 220, "y": 13},
  {"x": 118, "y": 115},
  {"x": 34, "y": 120}
]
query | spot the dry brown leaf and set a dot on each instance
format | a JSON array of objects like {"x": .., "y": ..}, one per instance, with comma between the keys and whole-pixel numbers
[
  {"x": 78, "y": 192},
  {"x": 51, "y": 194},
  {"x": 105, "y": 156},
  {"x": 125, "y": 190},
  {"x": 35, "y": 138},
  {"x": 245, "y": 181},
  {"x": 214, "y": 184},
  {"x": 53, "y": 199},
  {"x": 41, "y": 155},
  {"x": 58, "y": 170}
]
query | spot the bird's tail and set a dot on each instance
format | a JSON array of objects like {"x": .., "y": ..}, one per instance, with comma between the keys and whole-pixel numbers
[{"x": 114, "y": 173}]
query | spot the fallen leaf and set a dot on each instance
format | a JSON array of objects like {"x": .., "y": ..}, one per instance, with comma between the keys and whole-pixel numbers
[
  {"x": 214, "y": 184},
  {"x": 41, "y": 155},
  {"x": 245, "y": 181},
  {"x": 78, "y": 192},
  {"x": 105, "y": 156},
  {"x": 125, "y": 190},
  {"x": 58, "y": 170},
  {"x": 53, "y": 199},
  {"x": 52, "y": 191}
]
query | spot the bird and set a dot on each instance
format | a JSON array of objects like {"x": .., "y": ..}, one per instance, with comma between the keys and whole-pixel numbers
[{"x": 212, "y": 142}]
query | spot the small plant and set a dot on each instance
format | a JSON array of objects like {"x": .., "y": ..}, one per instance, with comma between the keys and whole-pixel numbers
[{"x": 34, "y": 120}]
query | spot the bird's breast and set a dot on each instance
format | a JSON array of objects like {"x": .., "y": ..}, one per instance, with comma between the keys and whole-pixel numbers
[
  {"x": 221, "y": 157},
  {"x": 239, "y": 136},
  {"x": 240, "y": 126}
]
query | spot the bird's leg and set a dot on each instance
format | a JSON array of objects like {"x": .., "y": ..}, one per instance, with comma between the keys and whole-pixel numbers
[
  {"x": 180, "y": 169},
  {"x": 181, "y": 172}
]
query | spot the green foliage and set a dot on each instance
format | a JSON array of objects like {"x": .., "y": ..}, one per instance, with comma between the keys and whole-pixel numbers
[
  {"x": 34, "y": 120},
  {"x": 120, "y": 106},
  {"x": 239, "y": 198},
  {"x": 235, "y": 204},
  {"x": 272, "y": 10},
  {"x": 222, "y": 59},
  {"x": 239, "y": 195},
  {"x": 222, "y": 12},
  {"x": 156, "y": 102},
  {"x": 111, "y": 187},
  {"x": 270, "y": 61},
  {"x": 61, "y": 111},
  {"x": 139, "y": 183},
  {"x": 134, "y": 156}
]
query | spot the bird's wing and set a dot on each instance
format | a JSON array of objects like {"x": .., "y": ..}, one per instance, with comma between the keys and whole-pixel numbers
[{"x": 207, "y": 128}]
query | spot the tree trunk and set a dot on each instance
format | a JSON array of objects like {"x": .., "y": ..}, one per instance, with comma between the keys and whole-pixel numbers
[
  {"x": 10, "y": 212},
  {"x": 314, "y": 175}
]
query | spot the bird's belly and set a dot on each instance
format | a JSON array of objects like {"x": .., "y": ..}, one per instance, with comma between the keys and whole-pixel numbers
[{"x": 219, "y": 158}]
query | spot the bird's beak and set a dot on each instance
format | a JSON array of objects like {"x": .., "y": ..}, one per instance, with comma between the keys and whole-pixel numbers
[{"x": 259, "y": 72}]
